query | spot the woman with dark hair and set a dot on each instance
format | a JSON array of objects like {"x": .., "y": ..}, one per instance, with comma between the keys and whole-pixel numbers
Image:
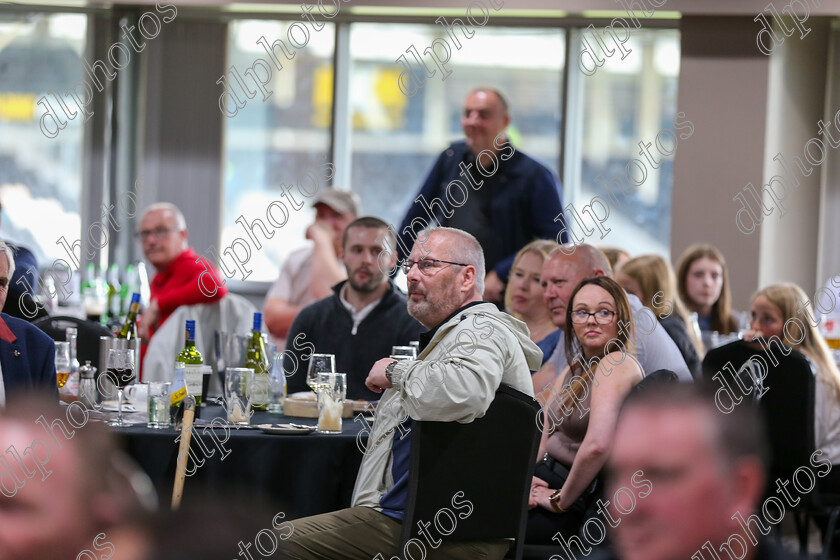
[
  {"x": 580, "y": 413},
  {"x": 703, "y": 285}
]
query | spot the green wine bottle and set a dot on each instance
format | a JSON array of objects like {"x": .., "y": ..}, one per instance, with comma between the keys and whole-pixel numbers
[
  {"x": 129, "y": 330},
  {"x": 257, "y": 359},
  {"x": 192, "y": 360}
]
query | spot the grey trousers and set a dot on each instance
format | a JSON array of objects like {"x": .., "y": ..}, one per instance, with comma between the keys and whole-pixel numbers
[{"x": 362, "y": 533}]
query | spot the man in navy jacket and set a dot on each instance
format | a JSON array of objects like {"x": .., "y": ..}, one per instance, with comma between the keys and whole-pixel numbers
[
  {"x": 27, "y": 355},
  {"x": 484, "y": 186}
]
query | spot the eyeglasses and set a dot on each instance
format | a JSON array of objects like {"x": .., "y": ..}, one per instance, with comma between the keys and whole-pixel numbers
[
  {"x": 157, "y": 232},
  {"x": 425, "y": 266},
  {"x": 602, "y": 317}
]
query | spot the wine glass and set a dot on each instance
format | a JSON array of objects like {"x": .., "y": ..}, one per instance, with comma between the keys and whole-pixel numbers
[
  {"x": 120, "y": 370},
  {"x": 62, "y": 363},
  {"x": 319, "y": 363}
]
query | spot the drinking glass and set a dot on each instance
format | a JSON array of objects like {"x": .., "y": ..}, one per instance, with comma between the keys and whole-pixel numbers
[
  {"x": 403, "y": 353},
  {"x": 159, "y": 400},
  {"x": 319, "y": 363},
  {"x": 237, "y": 402},
  {"x": 331, "y": 401},
  {"x": 62, "y": 363},
  {"x": 120, "y": 370},
  {"x": 95, "y": 303},
  {"x": 277, "y": 385}
]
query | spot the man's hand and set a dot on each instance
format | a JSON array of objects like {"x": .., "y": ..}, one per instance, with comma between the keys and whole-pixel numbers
[
  {"x": 494, "y": 288},
  {"x": 150, "y": 319},
  {"x": 321, "y": 233},
  {"x": 376, "y": 380}
]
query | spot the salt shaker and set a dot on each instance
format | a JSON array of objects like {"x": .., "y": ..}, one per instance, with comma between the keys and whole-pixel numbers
[{"x": 87, "y": 385}]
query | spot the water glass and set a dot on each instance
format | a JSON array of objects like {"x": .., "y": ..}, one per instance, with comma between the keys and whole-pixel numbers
[
  {"x": 159, "y": 404},
  {"x": 331, "y": 401},
  {"x": 237, "y": 402},
  {"x": 277, "y": 386},
  {"x": 403, "y": 353}
]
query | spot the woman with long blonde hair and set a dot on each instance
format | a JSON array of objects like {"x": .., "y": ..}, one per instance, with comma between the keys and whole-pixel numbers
[
  {"x": 524, "y": 295},
  {"x": 771, "y": 308},
  {"x": 650, "y": 278}
]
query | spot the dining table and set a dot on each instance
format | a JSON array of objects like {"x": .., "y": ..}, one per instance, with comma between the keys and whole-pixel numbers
[{"x": 301, "y": 471}]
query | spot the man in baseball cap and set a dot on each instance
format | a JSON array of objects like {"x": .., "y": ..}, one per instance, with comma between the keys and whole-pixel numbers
[{"x": 309, "y": 273}]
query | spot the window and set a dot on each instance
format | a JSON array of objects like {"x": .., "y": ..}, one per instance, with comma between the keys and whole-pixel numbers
[
  {"x": 626, "y": 102},
  {"x": 278, "y": 141},
  {"x": 40, "y": 177}
]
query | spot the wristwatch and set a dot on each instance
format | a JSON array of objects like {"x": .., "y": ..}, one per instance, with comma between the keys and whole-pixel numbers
[
  {"x": 554, "y": 499},
  {"x": 389, "y": 369}
]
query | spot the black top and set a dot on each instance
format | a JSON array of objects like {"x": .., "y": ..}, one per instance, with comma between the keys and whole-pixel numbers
[
  {"x": 677, "y": 330},
  {"x": 326, "y": 328}
]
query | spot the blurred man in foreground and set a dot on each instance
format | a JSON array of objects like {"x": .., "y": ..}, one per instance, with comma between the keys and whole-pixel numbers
[
  {"x": 706, "y": 477},
  {"x": 60, "y": 491}
]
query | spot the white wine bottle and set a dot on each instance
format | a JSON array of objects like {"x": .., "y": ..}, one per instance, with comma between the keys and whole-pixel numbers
[{"x": 257, "y": 359}]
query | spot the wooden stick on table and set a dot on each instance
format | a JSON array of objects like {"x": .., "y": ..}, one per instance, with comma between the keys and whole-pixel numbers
[{"x": 183, "y": 451}]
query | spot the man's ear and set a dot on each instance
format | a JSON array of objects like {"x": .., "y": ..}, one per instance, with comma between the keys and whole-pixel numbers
[
  {"x": 747, "y": 486},
  {"x": 469, "y": 278}
]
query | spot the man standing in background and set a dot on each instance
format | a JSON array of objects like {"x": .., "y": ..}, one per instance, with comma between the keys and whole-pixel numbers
[{"x": 482, "y": 185}]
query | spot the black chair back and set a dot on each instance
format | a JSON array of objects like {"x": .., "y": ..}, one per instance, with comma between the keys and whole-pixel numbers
[
  {"x": 88, "y": 333},
  {"x": 488, "y": 462},
  {"x": 785, "y": 396}
]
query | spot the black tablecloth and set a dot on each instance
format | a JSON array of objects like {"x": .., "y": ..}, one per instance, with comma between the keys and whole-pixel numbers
[{"x": 301, "y": 474}]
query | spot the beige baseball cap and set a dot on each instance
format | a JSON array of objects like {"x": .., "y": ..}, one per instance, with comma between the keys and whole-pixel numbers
[{"x": 339, "y": 200}]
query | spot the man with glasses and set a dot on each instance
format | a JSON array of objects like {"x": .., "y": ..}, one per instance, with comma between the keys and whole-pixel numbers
[
  {"x": 562, "y": 271},
  {"x": 363, "y": 318},
  {"x": 486, "y": 187},
  {"x": 163, "y": 233},
  {"x": 469, "y": 349}
]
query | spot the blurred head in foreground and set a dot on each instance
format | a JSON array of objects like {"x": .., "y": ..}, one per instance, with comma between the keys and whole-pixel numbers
[
  {"x": 704, "y": 468},
  {"x": 62, "y": 484}
]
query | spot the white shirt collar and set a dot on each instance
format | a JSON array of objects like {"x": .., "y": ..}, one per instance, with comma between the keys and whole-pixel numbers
[{"x": 358, "y": 316}]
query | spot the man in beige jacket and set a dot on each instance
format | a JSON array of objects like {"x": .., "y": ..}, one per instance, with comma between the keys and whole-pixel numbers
[{"x": 469, "y": 350}]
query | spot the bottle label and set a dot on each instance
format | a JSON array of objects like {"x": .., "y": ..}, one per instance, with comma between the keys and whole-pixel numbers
[
  {"x": 178, "y": 396},
  {"x": 194, "y": 375}
]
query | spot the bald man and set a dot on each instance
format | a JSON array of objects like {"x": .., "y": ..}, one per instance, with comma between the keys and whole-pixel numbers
[
  {"x": 486, "y": 187},
  {"x": 562, "y": 271},
  {"x": 183, "y": 278}
]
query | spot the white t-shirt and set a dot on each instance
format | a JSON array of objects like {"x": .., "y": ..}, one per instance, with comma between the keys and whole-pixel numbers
[
  {"x": 827, "y": 421},
  {"x": 293, "y": 283}
]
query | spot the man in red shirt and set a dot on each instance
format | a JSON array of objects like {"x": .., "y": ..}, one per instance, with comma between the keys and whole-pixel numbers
[{"x": 183, "y": 278}]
